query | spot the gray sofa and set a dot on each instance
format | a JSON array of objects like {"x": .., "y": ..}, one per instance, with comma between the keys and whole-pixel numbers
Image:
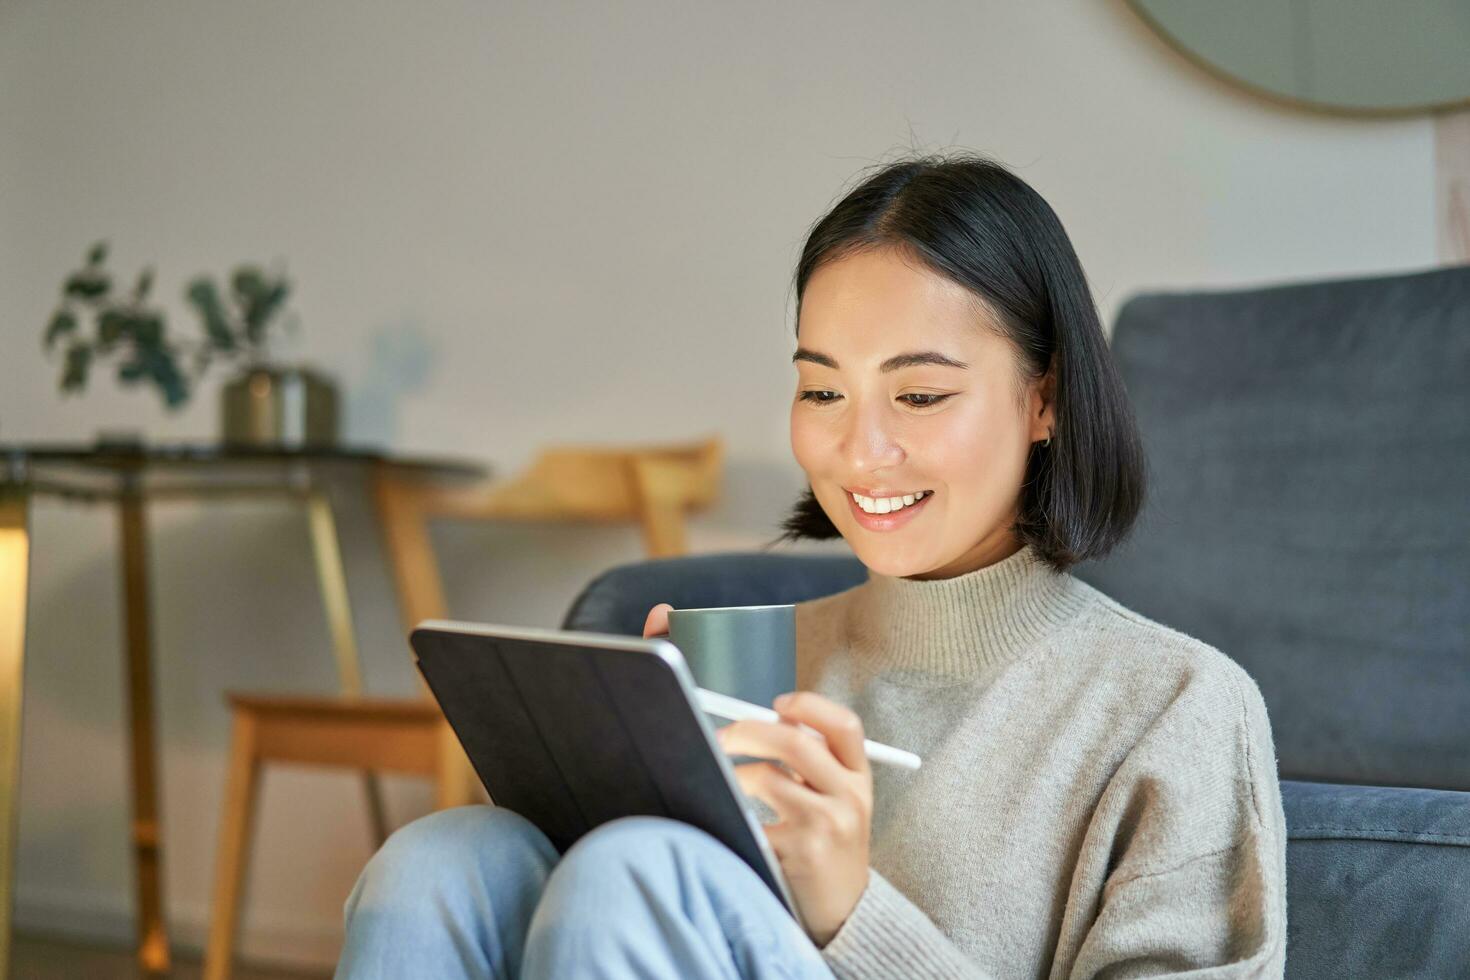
[{"x": 1309, "y": 515}]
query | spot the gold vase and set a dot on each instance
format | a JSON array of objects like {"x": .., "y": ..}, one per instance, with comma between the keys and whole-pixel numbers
[{"x": 279, "y": 407}]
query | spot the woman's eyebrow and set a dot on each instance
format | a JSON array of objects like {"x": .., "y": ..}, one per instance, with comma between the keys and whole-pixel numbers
[{"x": 909, "y": 359}]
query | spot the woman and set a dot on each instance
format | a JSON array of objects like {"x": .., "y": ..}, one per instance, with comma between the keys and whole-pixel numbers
[{"x": 1099, "y": 792}]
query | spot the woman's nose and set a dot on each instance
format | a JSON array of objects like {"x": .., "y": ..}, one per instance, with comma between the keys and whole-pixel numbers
[{"x": 868, "y": 441}]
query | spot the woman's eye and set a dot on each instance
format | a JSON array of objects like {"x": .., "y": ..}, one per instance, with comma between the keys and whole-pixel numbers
[
  {"x": 811, "y": 396},
  {"x": 929, "y": 399},
  {"x": 933, "y": 399}
]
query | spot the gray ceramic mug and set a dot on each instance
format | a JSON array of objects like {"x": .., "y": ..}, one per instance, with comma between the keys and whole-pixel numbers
[{"x": 746, "y": 652}]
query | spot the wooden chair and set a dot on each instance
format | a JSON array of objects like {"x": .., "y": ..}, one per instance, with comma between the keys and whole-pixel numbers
[{"x": 655, "y": 486}]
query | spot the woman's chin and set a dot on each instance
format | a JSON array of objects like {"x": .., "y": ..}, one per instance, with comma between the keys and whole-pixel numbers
[{"x": 888, "y": 561}]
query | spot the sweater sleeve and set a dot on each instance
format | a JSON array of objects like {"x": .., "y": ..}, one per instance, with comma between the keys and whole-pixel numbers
[
  {"x": 1214, "y": 912},
  {"x": 1182, "y": 872},
  {"x": 887, "y": 936},
  {"x": 1210, "y": 917},
  {"x": 1198, "y": 879}
]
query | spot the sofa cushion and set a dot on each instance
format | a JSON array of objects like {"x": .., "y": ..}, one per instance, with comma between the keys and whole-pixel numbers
[{"x": 1309, "y": 509}]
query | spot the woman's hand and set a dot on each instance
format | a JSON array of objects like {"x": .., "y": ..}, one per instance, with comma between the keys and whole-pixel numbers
[
  {"x": 657, "y": 623},
  {"x": 825, "y": 802}
]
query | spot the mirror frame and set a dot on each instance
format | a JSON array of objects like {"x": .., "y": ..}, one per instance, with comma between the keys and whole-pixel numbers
[{"x": 1280, "y": 98}]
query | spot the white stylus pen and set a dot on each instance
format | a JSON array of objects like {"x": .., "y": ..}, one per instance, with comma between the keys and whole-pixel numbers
[{"x": 734, "y": 709}]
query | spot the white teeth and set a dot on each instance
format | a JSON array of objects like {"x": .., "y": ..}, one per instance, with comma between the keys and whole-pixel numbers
[{"x": 887, "y": 505}]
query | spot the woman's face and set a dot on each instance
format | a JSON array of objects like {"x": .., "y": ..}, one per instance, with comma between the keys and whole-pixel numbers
[{"x": 962, "y": 431}]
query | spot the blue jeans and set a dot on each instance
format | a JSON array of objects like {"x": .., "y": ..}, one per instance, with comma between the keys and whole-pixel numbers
[{"x": 478, "y": 891}]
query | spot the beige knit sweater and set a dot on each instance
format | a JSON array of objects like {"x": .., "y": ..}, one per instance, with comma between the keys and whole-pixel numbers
[{"x": 1098, "y": 796}]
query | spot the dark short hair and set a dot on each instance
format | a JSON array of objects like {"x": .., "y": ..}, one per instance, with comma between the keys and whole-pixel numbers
[{"x": 975, "y": 223}]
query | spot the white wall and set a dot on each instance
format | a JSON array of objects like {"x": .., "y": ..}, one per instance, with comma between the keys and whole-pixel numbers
[{"x": 518, "y": 223}]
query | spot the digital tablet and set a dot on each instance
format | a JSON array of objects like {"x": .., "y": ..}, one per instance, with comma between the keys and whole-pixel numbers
[{"x": 572, "y": 729}]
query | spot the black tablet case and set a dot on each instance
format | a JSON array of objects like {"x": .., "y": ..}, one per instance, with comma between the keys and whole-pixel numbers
[{"x": 573, "y": 736}]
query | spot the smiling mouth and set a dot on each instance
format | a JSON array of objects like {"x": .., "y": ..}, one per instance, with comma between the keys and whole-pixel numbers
[{"x": 891, "y": 504}]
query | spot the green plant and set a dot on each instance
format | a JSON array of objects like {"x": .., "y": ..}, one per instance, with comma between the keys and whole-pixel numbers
[{"x": 127, "y": 328}]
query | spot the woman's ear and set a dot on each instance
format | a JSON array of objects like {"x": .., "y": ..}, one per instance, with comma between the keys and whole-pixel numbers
[{"x": 1042, "y": 406}]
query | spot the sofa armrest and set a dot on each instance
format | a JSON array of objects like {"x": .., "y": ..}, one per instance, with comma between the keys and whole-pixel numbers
[
  {"x": 618, "y": 600},
  {"x": 1378, "y": 881}
]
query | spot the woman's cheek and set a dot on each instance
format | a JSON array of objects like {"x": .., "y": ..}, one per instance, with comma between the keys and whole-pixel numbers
[
  {"x": 982, "y": 454},
  {"x": 805, "y": 440}
]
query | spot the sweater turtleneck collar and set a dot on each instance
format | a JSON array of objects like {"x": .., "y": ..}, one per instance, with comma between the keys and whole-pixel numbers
[{"x": 963, "y": 626}]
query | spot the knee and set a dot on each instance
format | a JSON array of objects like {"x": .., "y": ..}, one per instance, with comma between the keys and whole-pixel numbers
[
  {"x": 460, "y": 845},
  {"x": 637, "y": 843},
  {"x": 462, "y": 833},
  {"x": 628, "y": 878}
]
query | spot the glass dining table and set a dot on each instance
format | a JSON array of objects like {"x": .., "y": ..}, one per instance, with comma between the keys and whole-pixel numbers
[{"x": 129, "y": 476}]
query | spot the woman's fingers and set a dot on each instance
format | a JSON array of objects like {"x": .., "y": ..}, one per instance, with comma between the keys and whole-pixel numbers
[
  {"x": 840, "y": 724},
  {"x": 657, "y": 623},
  {"x": 805, "y": 753},
  {"x": 792, "y": 802}
]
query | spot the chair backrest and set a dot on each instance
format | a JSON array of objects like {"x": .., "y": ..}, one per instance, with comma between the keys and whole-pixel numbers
[
  {"x": 1309, "y": 509},
  {"x": 652, "y": 485}
]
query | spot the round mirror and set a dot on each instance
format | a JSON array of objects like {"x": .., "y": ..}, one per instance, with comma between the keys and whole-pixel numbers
[{"x": 1354, "y": 56}]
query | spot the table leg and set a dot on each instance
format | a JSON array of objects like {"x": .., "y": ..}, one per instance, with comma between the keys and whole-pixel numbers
[
  {"x": 332, "y": 577},
  {"x": 14, "y": 569},
  {"x": 421, "y": 596},
  {"x": 153, "y": 951}
]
